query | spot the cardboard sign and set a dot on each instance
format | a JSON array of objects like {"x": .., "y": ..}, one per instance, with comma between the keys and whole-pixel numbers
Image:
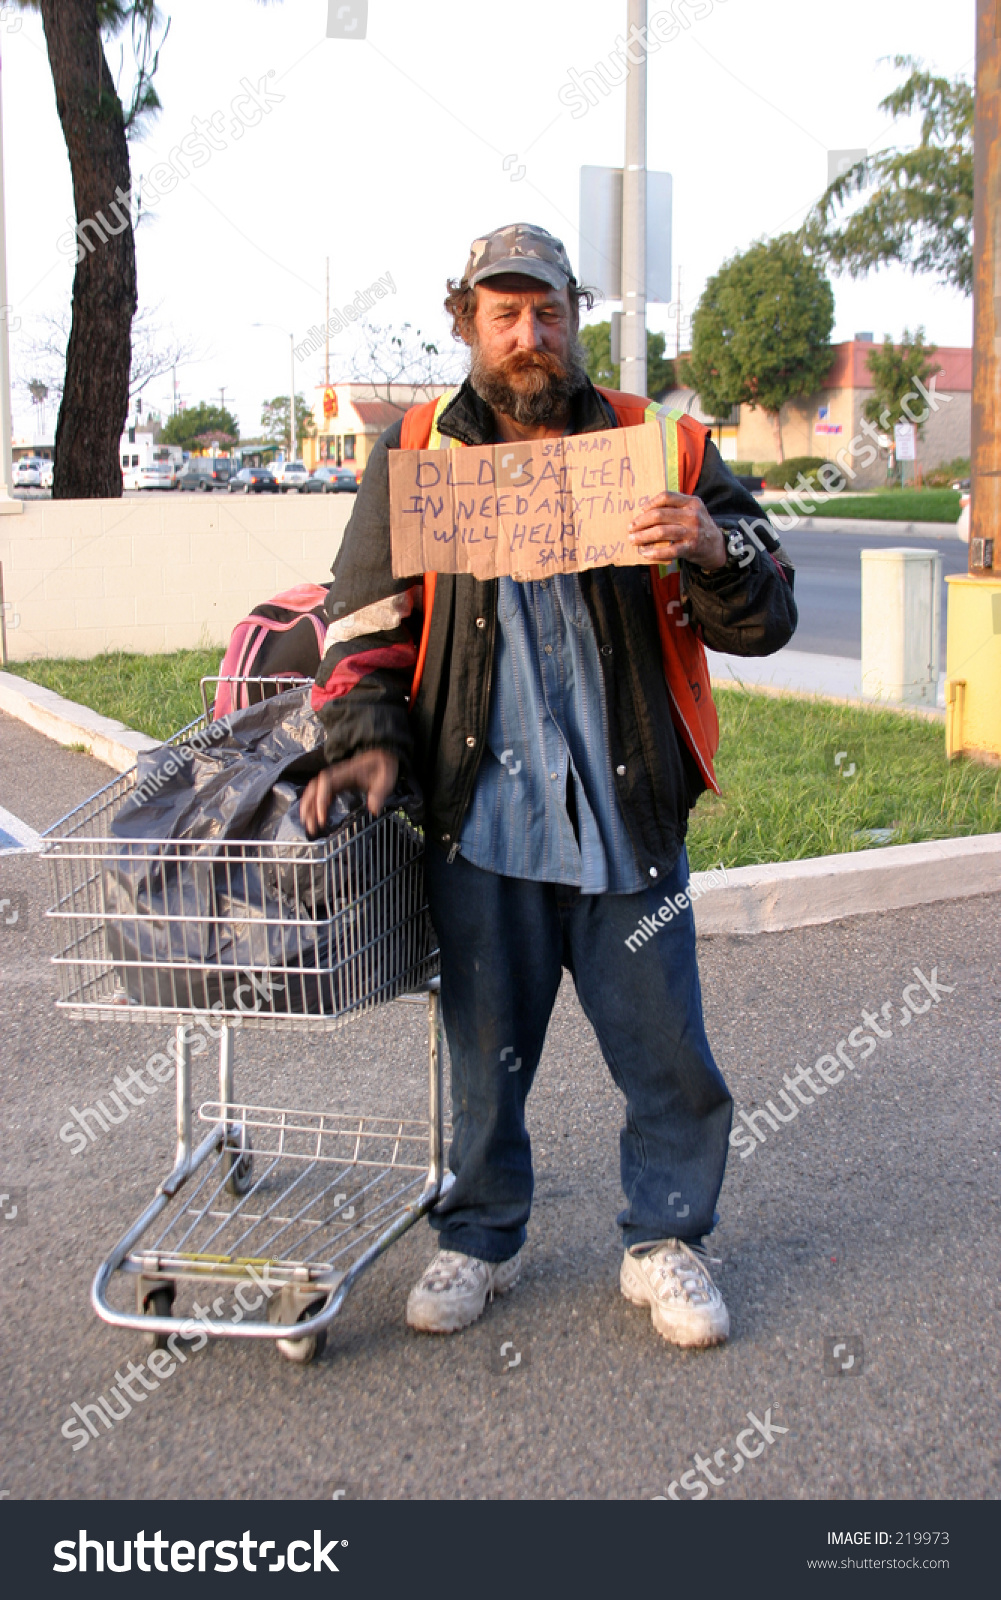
[{"x": 525, "y": 510}]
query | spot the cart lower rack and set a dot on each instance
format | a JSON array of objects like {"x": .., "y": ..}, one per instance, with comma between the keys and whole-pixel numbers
[{"x": 271, "y": 1216}]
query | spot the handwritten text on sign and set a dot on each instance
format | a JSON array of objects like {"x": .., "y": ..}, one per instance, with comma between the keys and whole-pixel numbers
[{"x": 526, "y": 510}]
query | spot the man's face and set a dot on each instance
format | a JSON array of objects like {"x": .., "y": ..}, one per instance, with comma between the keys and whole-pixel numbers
[{"x": 526, "y": 361}]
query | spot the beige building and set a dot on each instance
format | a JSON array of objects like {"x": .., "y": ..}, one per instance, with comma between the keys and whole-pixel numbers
[
  {"x": 825, "y": 423},
  {"x": 349, "y": 418}
]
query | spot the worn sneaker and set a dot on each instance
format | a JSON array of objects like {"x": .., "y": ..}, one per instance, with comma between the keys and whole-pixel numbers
[
  {"x": 668, "y": 1276},
  {"x": 455, "y": 1289}
]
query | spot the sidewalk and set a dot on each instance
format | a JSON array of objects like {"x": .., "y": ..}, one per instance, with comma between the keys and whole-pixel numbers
[{"x": 802, "y": 672}]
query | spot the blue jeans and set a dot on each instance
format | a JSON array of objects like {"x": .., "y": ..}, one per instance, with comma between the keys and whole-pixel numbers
[{"x": 504, "y": 942}]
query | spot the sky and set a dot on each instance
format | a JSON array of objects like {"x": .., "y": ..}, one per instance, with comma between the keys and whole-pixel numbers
[{"x": 390, "y": 153}]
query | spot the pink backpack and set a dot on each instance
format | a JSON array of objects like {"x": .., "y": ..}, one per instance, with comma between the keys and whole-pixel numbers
[{"x": 281, "y": 638}]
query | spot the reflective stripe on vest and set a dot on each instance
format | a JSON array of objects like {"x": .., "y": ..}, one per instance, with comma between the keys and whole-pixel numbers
[{"x": 434, "y": 437}]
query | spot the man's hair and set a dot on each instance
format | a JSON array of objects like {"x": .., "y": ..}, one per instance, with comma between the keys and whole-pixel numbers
[{"x": 460, "y": 303}]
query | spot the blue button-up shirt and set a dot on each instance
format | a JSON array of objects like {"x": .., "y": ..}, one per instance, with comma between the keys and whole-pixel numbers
[{"x": 548, "y": 722}]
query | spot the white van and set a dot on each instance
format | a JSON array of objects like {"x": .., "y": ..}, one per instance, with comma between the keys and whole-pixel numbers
[{"x": 146, "y": 465}]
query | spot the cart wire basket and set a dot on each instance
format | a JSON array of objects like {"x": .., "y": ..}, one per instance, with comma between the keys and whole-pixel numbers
[{"x": 278, "y": 1210}]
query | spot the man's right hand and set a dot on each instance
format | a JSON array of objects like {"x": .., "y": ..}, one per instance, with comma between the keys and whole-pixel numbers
[{"x": 372, "y": 771}]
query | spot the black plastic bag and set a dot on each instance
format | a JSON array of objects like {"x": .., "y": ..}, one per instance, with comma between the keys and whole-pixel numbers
[{"x": 216, "y": 894}]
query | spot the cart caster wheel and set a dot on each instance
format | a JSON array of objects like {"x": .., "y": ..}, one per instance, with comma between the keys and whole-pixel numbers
[
  {"x": 158, "y": 1302},
  {"x": 239, "y": 1157},
  {"x": 302, "y": 1351}
]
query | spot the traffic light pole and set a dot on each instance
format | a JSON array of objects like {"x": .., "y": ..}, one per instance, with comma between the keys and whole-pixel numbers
[
  {"x": 633, "y": 375},
  {"x": 985, "y": 465}
]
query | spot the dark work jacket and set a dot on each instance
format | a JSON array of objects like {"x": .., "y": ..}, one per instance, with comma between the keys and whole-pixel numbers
[{"x": 748, "y": 610}]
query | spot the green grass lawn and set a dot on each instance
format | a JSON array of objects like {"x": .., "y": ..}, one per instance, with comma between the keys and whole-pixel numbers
[
  {"x": 785, "y": 799},
  {"x": 783, "y": 796},
  {"x": 903, "y": 505},
  {"x": 152, "y": 694}
]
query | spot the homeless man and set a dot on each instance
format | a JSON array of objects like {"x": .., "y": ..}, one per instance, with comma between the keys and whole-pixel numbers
[{"x": 562, "y": 730}]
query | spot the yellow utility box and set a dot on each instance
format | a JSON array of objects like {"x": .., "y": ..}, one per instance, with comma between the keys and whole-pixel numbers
[{"x": 973, "y": 668}]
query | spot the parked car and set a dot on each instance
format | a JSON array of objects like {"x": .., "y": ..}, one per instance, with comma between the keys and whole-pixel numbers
[
  {"x": 46, "y": 475},
  {"x": 331, "y": 480},
  {"x": 160, "y": 475},
  {"x": 28, "y": 472},
  {"x": 253, "y": 480},
  {"x": 290, "y": 475},
  {"x": 205, "y": 472}
]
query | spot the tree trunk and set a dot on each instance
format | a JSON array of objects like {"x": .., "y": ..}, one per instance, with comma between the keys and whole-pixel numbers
[
  {"x": 774, "y": 418},
  {"x": 96, "y": 390}
]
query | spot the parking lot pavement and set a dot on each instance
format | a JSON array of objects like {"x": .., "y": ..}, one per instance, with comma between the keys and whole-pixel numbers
[{"x": 860, "y": 1248}]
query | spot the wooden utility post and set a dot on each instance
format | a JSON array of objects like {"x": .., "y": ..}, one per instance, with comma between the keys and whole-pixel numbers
[
  {"x": 985, "y": 466},
  {"x": 973, "y": 653}
]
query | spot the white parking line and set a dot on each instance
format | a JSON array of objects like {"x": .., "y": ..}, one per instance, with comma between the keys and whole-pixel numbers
[{"x": 16, "y": 836}]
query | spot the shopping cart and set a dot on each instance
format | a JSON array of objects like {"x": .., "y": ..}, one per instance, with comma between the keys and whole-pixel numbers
[{"x": 282, "y": 1208}]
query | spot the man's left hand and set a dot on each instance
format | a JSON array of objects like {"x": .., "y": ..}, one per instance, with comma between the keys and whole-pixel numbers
[{"x": 678, "y": 527}]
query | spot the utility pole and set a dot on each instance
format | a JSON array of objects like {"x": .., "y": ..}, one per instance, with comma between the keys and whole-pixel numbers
[
  {"x": 222, "y": 398},
  {"x": 6, "y": 424},
  {"x": 677, "y": 331},
  {"x": 291, "y": 401},
  {"x": 326, "y": 357},
  {"x": 173, "y": 392},
  {"x": 985, "y": 465},
  {"x": 634, "y": 210}
]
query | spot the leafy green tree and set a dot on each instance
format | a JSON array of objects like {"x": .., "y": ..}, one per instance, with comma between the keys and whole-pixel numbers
[
  {"x": 597, "y": 341},
  {"x": 920, "y": 210},
  {"x": 275, "y": 421},
  {"x": 894, "y": 369},
  {"x": 762, "y": 330},
  {"x": 187, "y": 428}
]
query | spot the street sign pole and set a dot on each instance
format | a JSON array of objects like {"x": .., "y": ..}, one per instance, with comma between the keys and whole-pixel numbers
[
  {"x": 985, "y": 466},
  {"x": 633, "y": 377}
]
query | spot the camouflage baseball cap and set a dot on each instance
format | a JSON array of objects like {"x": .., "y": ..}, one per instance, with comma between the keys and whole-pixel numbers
[{"x": 522, "y": 248}]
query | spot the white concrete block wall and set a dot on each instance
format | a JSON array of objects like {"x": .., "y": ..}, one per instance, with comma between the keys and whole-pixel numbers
[{"x": 156, "y": 573}]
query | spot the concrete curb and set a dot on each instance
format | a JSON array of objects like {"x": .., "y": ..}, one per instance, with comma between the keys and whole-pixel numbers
[
  {"x": 848, "y": 524},
  {"x": 871, "y": 525},
  {"x": 799, "y": 894},
  {"x": 767, "y": 899},
  {"x": 68, "y": 723}
]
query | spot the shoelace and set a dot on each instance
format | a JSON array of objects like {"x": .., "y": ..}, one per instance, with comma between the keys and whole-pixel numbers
[
  {"x": 694, "y": 1280},
  {"x": 451, "y": 1270}
]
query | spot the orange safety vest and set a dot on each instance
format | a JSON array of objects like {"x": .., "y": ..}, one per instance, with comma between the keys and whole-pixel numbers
[{"x": 686, "y": 670}]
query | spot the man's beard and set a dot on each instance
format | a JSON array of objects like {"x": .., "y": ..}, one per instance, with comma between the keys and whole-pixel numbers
[{"x": 532, "y": 387}]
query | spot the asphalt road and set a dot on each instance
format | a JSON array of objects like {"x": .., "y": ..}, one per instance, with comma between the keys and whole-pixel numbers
[
  {"x": 871, "y": 1221},
  {"x": 829, "y": 582}
]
